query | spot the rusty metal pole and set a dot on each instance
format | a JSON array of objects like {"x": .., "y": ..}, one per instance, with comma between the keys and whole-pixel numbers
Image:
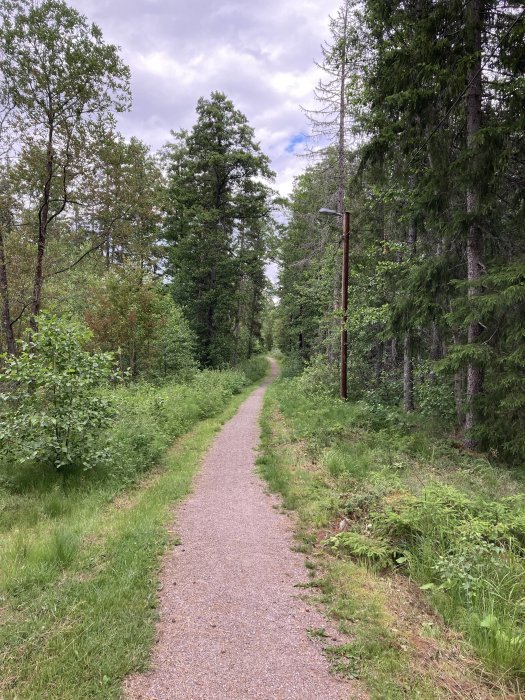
[{"x": 343, "y": 392}]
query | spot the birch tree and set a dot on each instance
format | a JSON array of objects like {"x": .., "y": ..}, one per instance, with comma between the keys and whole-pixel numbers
[{"x": 59, "y": 75}]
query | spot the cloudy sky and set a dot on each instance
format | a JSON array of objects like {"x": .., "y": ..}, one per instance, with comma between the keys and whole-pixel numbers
[{"x": 259, "y": 53}]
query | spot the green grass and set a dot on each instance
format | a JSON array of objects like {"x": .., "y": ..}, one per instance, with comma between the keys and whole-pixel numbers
[
  {"x": 80, "y": 558},
  {"x": 411, "y": 503}
]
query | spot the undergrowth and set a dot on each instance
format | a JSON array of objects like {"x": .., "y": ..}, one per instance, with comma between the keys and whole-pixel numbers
[
  {"x": 391, "y": 494},
  {"x": 80, "y": 553}
]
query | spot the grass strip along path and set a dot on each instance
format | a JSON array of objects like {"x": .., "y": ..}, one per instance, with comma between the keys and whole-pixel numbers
[
  {"x": 85, "y": 616},
  {"x": 381, "y": 511}
]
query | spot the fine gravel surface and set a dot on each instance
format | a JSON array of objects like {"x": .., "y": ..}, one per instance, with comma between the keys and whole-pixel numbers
[{"x": 233, "y": 622}]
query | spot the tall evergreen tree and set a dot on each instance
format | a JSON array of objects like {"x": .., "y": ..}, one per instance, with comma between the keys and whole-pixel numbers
[{"x": 219, "y": 214}]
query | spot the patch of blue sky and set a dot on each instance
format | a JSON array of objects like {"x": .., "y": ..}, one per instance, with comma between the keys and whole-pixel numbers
[{"x": 295, "y": 141}]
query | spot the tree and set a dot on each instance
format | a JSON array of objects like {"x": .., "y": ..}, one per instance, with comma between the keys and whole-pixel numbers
[
  {"x": 59, "y": 74},
  {"x": 6, "y": 136},
  {"x": 342, "y": 67},
  {"x": 133, "y": 315},
  {"x": 475, "y": 267},
  {"x": 218, "y": 218},
  {"x": 122, "y": 194}
]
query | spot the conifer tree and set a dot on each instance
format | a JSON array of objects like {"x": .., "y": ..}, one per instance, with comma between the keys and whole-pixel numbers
[{"x": 219, "y": 212}]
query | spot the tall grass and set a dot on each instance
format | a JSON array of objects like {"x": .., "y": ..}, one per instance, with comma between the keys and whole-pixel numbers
[
  {"x": 414, "y": 502},
  {"x": 79, "y": 555}
]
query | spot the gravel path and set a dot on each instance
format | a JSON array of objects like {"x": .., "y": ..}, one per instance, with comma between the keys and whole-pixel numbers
[{"x": 233, "y": 626}]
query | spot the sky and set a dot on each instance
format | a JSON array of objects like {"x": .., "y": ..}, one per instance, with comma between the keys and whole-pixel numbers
[{"x": 260, "y": 54}]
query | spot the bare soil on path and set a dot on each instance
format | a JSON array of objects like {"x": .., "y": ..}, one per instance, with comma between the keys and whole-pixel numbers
[{"x": 233, "y": 619}]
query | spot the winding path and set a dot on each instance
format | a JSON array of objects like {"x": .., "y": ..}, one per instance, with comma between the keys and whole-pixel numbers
[{"x": 233, "y": 625}]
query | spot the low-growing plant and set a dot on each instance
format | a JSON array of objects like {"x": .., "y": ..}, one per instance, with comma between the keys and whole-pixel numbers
[
  {"x": 254, "y": 368},
  {"x": 451, "y": 520},
  {"x": 373, "y": 550}
]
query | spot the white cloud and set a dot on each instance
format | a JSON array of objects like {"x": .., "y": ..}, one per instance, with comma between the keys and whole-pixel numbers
[{"x": 260, "y": 54}]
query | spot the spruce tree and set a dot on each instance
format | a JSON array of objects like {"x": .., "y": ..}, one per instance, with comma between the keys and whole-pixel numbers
[{"x": 219, "y": 213}]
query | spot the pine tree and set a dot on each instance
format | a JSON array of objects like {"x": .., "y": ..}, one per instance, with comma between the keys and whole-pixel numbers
[{"x": 219, "y": 212}]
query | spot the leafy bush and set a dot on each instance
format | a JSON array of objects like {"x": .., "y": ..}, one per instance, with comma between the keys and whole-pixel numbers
[
  {"x": 150, "y": 418},
  {"x": 292, "y": 365},
  {"x": 136, "y": 315},
  {"x": 320, "y": 377},
  {"x": 433, "y": 393},
  {"x": 52, "y": 411}
]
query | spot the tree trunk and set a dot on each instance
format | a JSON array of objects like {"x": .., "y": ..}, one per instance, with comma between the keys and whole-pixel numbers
[
  {"x": 393, "y": 353},
  {"x": 408, "y": 375},
  {"x": 474, "y": 237},
  {"x": 238, "y": 313},
  {"x": 341, "y": 166},
  {"x": 379, "y": 354},
  {"x": 43, "y": 221},
  {"x": 408, "y": 364},
  {"x": 252, "y": 322},
  {"x": 459, "y": 393},
  {"x": 341, "y": 155},
  {"x": 436, "y": 347},
  {"x": 4, "y": 293}
]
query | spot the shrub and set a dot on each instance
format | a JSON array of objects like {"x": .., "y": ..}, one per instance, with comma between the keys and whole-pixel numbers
[
  {"x": 255, "y": 368},
  {"x": 372, "y": 550},
  {"x": 292, "y": 365},
  {"x": 150, "y": 418},
  {"x": 135, "y": 314},
  {"x": 52, "y": 411},
  {"x": 319, "y": 377},
  {"x": 433, "y": 393}
]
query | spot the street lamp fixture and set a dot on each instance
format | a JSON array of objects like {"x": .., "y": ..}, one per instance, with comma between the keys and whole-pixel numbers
[{"x": 343, "y": 388}]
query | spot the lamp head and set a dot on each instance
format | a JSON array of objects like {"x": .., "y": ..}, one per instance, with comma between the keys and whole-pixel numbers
[{"x": 329, "y": 212}]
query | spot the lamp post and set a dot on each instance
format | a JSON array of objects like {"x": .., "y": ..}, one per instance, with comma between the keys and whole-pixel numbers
[{"x": 343, "y": 388}]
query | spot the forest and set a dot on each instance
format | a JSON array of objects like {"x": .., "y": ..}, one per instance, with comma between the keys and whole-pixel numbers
[
  {"x": 420, "y": 126},
  {"x": 117, "y": 264},
  {"x": 137, "y": 316}
]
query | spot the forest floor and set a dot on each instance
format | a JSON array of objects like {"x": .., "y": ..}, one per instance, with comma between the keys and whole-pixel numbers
[{"x": 236, "y": 618}]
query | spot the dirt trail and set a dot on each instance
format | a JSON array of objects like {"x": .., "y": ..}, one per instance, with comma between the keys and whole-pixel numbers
[{"x": 233, "y": 626}]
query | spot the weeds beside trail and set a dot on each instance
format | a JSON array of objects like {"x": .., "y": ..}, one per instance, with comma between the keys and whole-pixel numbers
[
  {"x": 80, "y": 557},
  {"x": 381, "y": 500}
]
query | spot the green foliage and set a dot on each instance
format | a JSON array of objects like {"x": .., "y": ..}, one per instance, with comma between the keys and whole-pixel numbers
[
  {"x": 218, "y": 226},
  {"x": 52, "y": 411},
  {"x": 433, "y": 393},
  {"x": 377, "y": 653},
  {"x": 292, "y": 365},
  {"x": 174, "y": 343},
  {"x": 135, "y": 315},
  {"x": 51, "y": 56},
  {"x": 502, "y": 407},
  {"x": 418, "y": 187},
  {"x": 319, "y": 377},
  {"x": 150, "y": 418},
  {"x": 373, "y": 550},
  {"x": 80, "y": 557},
  {"x": 255, "y": 368},
  {"x": 448, "y": 519}
]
